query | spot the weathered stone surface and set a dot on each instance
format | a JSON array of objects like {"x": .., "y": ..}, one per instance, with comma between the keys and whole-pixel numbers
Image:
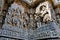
[
  {"x": 6, "y": 38},
  {"x": 28, "y": 23},
  {"x": 1, "y": 5},
  {"x": 45, "y": 11},
  {"x": 32, "y": 3},
  {"x": 11, "y": 34},
  {"x": 48, "y": 31},
  {"x": 56, "y": 2},
  {"x": 13, "y": 15}
]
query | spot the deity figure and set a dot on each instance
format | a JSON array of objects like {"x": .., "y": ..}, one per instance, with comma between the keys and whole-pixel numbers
[{"x": 44, "y": 10}]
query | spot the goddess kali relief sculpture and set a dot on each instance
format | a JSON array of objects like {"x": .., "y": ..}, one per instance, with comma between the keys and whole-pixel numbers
[{"x": 45, "y": 11}]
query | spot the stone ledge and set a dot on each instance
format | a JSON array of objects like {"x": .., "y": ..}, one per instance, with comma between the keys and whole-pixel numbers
[{"x": 11, "y": 34}]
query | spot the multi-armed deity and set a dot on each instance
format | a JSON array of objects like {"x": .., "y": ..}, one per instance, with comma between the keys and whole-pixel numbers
[
  {"x": 13, "y": 15},
  {"x": 18, "y": 16}
]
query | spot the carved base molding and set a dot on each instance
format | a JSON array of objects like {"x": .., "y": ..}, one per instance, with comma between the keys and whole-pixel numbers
[{"x": 50, "y": 30}]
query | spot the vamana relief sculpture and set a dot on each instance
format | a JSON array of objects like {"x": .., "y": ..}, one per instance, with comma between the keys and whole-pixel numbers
[{"x": 29, "y": 20}]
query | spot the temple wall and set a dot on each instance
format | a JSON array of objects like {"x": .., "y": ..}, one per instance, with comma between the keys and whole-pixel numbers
[{"x": 29, "y": 19}]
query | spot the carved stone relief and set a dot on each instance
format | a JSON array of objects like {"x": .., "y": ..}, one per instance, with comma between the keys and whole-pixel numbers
[
  {"x": 44, "y": 10},
  {"x": 57, "y": 11},
  {"x": 17, "y": 16},
  {"x": 13, "y": 13},
  {"x": 35, "y": 20}
]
